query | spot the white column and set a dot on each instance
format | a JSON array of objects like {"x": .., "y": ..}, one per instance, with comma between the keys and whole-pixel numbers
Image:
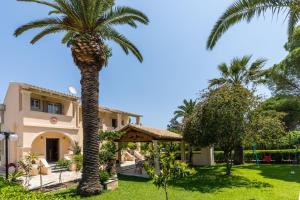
[
  {"x": 156, "y": 157},
  {"x": 119, "y": 120},
  {"x": 138, "y": 120}
]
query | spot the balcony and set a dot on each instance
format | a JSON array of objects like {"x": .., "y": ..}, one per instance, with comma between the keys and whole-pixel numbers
[{"x": 49, "y": 120}]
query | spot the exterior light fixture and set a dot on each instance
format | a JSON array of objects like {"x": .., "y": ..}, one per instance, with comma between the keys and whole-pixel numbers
[{"x": 7, "y": 136}]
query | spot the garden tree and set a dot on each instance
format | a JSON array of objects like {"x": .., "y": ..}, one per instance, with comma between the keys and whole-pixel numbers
[
  {"x": 220, "y": 119},
  {"x": 246, "y": 10},
  {"x": 171, "y": 170},
  {"x": 174, "y": 125},
  {"x": 88, "y": 25},
  {"x": 264, "y": 127},
  {"x": 289, "y": 106},
  {"x": 184, "y": 111},
  {"x": 284, "y": 78},
  {"x": 240, "y": 72}
]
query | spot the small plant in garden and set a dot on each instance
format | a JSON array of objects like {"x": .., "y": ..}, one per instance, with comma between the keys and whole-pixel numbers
[
  {"x": 63, "y": 164},
  {"x": 104, "y": 176},
  {"x": 76, "y": 148},
  {"x": 77, "y": 160},
  {"x": 171, "y": 170},
  {"x": 26, "y": 166},
  {"x": 13, "y": 177}
]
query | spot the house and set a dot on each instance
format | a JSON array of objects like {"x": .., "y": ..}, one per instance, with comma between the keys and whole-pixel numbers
[{"x": 49, "y": 123}]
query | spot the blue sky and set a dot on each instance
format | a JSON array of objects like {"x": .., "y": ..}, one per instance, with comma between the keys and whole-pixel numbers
[{"x": 176, "y": 65}]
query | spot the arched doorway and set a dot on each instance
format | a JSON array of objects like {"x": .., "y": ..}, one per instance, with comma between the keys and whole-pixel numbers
[{"x": 52, "y": 146}]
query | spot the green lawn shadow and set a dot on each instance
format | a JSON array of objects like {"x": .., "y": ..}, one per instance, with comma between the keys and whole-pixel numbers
[
  {"x": 213, "y": 179},
  {"x": 279, "y": 172}
]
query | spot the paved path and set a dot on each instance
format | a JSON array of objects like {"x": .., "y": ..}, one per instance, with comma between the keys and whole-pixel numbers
[{"x": 52, "y": 179}]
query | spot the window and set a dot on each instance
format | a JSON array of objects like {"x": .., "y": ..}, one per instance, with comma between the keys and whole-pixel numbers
[
  {"x": 55, "y": 108},
  {"x": 114, "y": 123},
  {"x": 35, "y": 104}
]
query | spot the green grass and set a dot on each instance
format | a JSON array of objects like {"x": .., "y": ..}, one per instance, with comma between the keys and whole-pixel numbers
[{"x": 249, "y": 182}]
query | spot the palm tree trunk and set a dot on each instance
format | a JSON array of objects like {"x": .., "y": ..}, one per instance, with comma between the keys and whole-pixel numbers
[{"x": 90, "y": 182}]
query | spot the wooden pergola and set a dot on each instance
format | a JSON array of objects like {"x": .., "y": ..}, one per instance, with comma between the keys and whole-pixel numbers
[{"x": 138, "y": 133}]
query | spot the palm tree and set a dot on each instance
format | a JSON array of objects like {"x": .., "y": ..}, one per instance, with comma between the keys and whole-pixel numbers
[
  {"x": 88, "y": 25},
  {"x": 239, "y": 72},
  {"x": 185, "y": 111},
  {"x": 246, "y": 10}
]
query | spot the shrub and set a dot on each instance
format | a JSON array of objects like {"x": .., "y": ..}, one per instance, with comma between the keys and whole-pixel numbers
[
  {"x": 77, "y": 160},
  {"x": 278, "y": 156},
  {"x": 104, "y": 176}
]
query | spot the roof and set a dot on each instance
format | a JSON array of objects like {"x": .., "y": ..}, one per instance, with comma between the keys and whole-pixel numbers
[
  {"x": 75, "y": 98},
  {"x": 139, "y": 133},
  {"x": 102, "y": 108},
  {"x": 33, "y": 87}
]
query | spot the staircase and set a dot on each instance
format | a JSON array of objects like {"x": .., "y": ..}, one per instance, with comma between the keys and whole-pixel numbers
[{"x": 55, "y": 168}]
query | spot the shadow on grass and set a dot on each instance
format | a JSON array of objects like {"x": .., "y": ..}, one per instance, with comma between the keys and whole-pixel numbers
[
  {"x": 213, "y": 179},
  {"x": 73, "y": 193},
  {"x": 275, "y": 171}
]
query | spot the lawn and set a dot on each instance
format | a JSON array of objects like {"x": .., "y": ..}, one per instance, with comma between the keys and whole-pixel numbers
[{"x": 249, "y": 182}]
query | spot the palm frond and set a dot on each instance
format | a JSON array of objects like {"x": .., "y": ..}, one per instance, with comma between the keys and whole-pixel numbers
[
  {"x": 37, "y": 24},
  {"x": 244, "y": 10},
  {"x": 111, "y": 34},
  {"x": 47, "y": 31},
  {"x": 123, "y": 15}
]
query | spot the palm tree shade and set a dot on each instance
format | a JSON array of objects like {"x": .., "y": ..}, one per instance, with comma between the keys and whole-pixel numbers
[
  {"x": 87, "y": 26},
  {"x": 240, "y": 72},
  {"x": 246, "y": 10}
]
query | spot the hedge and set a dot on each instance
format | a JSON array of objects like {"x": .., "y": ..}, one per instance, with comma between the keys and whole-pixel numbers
[{"x": 277, "y": 156}]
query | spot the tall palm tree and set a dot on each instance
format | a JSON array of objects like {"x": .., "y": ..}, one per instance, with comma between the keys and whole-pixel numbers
[
  {"x": 87, "y": 26},
  {"x": 245, "y": 10},
  {"x": 185, "y": 111},
  {"x": 240, "y": 72}
]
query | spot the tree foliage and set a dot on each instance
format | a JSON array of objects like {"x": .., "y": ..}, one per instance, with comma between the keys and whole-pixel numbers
[
  {"x": 77, "y": 18},
  {"x": 239, "y": 72},
  {"x": 284, "y": 78},
  {"x": 171, "y": 170},
  {"x": 246, "y": 10},
  {"x": 288, "y": 106}
]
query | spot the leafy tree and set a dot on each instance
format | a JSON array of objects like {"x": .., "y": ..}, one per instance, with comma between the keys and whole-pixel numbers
[
  {"x": 171, "y": 170},
  {"x": 88, "y": 25},
  {"x": 220, "y": 119},
  {"x": 240, "y": 72},
  {"x": 246, "y": 10},
  {"x": 284, "y": 78},
  {"x": 264, "y": 127},
  {"x": 289, "y": 106}
]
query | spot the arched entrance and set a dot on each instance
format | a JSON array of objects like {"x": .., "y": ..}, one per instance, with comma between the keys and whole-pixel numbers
[{"x": 52, "y": 146}]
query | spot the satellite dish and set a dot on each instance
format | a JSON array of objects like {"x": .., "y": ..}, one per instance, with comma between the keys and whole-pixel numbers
[{"x": 72, "y": 90}]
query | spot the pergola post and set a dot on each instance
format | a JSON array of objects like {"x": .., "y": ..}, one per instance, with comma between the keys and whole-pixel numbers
[
  {"x": 119, "y": 155},
  {"x": 156, "y": 158},
  {"x": 182, "y": 148}
]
